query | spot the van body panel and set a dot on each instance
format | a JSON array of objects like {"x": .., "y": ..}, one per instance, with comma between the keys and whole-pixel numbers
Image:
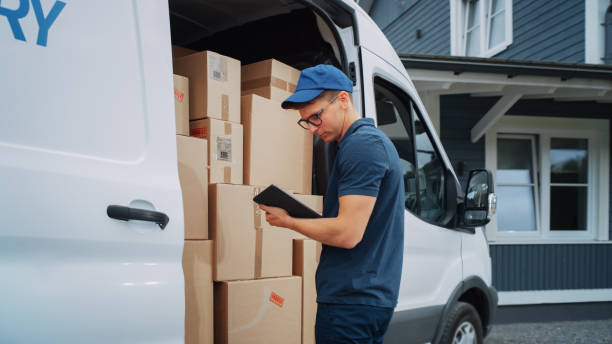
[
  {"x": 86, "y": 125},
  {"x": 476, "y": 256},
  {"x": 413, "y": 325}
]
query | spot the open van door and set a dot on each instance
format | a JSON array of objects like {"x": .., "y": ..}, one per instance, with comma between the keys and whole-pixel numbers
[
  {"x": 88, "y": 123},
  {"x": 432, "y": 252}
]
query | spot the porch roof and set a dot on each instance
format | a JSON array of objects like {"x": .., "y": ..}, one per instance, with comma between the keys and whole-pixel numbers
[{"x": 511, "y": 80}]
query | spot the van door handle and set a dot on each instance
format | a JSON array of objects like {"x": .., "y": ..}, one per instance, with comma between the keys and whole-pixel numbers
[{"x": 120, "y": 212}]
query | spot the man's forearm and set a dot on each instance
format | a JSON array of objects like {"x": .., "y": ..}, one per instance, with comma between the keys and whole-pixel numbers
[{"x": 329, "y": 231}]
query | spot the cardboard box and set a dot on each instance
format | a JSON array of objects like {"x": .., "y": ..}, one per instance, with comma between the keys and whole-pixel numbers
[
  {"x": 269, "y": 92},
  {"x": 181, "y": 104},
  {"x": 276, "y": 150},
  {"x": 273, "y": 250},
  {"x": 271, "y": 79},
  {"x": 306, "y": 255},
  {"x": 258, "y": 311},
  {"x": 243, "y": 248},
  {"x": 197, "y": 268},
  {"x": 225, "y": 146},
  {"x": 178, "y": 51},
  {"x": 214, "y": 85},
  {"x": 193, "y": 175}
]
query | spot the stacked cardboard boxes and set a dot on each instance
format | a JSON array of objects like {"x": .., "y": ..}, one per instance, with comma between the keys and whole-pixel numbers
[{"x": 264, "y": 279}]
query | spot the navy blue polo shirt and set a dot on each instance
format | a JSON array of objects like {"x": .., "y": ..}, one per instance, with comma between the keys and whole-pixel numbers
[{"x": 368, "y": 274}]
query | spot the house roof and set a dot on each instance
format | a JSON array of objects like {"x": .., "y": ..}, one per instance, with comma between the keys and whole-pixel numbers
[
  {"x": 512, "y": 68},
  {"x": 510, "y": 80}
]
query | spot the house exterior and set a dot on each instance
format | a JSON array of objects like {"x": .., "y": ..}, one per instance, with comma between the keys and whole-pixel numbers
[{"x": 524, "y": 89}]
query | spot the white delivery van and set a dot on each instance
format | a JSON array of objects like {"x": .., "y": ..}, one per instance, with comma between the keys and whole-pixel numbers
[{"x": 92, "y": 221}]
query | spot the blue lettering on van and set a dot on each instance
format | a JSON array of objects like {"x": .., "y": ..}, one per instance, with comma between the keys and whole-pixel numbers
[{"x": 44, "y": 22}]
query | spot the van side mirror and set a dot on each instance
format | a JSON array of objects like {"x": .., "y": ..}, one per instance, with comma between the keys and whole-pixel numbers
[{"x": 480, "y": 201}]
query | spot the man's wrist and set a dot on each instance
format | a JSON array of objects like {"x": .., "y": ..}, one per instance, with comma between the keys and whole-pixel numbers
[{"x": 291, "y": 223}]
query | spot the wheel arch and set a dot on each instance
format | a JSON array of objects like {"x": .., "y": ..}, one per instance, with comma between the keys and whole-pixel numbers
[{"x": 472, "y": 290}]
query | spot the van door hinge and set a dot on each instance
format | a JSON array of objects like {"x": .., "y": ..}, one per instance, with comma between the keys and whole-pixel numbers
[{"x": 352, "y": 73}]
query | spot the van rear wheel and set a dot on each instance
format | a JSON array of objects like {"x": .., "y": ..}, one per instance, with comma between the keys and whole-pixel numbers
[{"x": 463, "y": 325}]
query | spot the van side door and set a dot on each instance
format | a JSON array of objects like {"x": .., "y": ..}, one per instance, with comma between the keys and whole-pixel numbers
[{"x": 88, "y": 122}]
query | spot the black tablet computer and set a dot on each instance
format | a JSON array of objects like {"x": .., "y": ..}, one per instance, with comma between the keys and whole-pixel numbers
[{"x": 275, "y": 197}]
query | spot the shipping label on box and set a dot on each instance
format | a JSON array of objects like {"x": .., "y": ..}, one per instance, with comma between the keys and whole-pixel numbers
[
  {"x": 181, "y": 104},
  {"x": 283, "y": 159},
  {"x": 197, "y": 269},
  {"x": 225, "y": 151},
  {"x": 192, "y": 155},
  {"x": 258, "y": 311},
  {"x": 214, "y": 84}
]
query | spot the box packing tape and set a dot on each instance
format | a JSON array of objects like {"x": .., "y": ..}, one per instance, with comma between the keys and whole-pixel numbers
[
  {"x": 258, "y": 214},
  {"x": 225, "y": 107},
  {"x": 227, "y": 174},
  {"x": 258, "y": 251},
  {"x": 269, "y": 81}
]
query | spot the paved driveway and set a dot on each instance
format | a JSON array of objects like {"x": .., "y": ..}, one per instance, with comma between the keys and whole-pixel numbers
[{"x": 575, "y": 332}]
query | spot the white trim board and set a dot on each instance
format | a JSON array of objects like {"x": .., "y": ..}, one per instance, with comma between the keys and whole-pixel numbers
[
  {"x": 594, "y": 30},
  {"x": 534, "y": 297}
]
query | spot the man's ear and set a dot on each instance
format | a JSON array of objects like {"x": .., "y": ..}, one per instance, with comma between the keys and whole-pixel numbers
[{"x": 344, "y": 97}]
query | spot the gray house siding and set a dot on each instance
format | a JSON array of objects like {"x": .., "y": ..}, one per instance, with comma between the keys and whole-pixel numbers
[
  {"x": 542, "y": 30},
  {"x": 551, "y": 267},
  {"x": 400, "y": 20},
  {"x": 547, "y": 31},
  {"x": 527, "y": 267}
]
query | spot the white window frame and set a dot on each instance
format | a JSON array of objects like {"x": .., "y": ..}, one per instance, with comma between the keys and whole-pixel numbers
[
  {"x": 458, "y": 18},
  {"x": 536, "y": 182},
  {"x": 596, "y": 132}
]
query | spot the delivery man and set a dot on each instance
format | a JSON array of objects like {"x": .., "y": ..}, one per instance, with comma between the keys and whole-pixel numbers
[{"x": 362, "y": 227}]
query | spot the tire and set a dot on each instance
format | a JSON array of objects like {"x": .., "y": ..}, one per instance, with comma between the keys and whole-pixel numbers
[{"x": 463, "y": 326}]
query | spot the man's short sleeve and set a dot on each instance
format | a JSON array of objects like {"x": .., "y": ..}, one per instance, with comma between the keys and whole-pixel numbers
[{"x": 362, "y": 166}]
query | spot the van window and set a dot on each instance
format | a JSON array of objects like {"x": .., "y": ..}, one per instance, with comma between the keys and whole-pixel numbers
[
  {"x": 393, "y": 118},
  {"x": 398, "y": 117},
  {"x": 432, "y": 205}
]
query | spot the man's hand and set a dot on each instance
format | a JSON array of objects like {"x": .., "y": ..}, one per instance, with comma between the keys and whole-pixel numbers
[
  {"x": 277, "y": 217},
  {"x": 345, "y": 230}
]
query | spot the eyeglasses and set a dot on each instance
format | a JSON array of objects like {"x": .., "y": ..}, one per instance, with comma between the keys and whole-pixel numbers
[{"x": 314, "y": 119}]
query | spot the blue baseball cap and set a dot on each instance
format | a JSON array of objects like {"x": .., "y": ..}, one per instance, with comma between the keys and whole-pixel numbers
[{"x": 314, "y": 80}]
